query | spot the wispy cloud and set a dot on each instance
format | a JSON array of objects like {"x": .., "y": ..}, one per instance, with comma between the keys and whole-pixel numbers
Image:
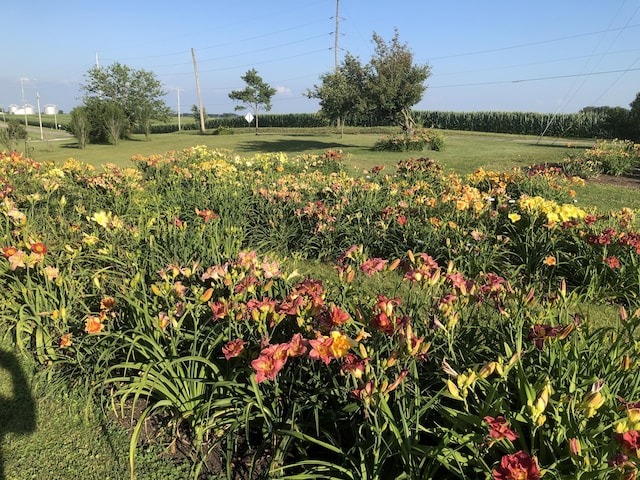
[{"x": 283, "y": 90}]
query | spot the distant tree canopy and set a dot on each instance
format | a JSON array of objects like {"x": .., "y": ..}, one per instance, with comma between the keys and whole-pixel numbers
[
  {"x": 620, "y": 122},
  {"x": 119, "y": 98},
  {"x": 387, "y": 87},
  {"x": 256, "y": 95}
]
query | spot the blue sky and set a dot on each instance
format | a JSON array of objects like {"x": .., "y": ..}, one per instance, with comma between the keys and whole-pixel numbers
[{"x": 542, "y": 56}]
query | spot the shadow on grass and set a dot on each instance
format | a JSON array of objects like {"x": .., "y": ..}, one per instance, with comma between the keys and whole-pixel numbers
[
  {"x": 264, "y": 144},
  {"x": 17, "y": 409}
]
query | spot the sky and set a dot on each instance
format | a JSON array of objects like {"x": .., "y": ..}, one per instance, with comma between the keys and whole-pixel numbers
[{"x": 544, "y": 56}]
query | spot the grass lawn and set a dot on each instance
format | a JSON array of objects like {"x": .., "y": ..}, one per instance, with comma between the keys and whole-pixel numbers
[{"x": 50, "y": 432}]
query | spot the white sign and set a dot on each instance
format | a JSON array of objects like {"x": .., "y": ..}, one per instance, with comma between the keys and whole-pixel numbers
[{"x": 248, "y": 117}]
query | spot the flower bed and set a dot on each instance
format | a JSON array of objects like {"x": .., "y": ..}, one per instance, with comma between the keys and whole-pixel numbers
[{"x": 449, "y": 338}]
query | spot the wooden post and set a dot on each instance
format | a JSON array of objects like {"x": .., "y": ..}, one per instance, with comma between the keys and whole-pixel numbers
[{"x": 195, "y": 69}]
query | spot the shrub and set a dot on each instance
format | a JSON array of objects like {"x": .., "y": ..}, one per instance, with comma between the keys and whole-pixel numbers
[
  {"x": 578, "y": 166},
  {"x": 416, "y": 142},
  {"x": 615, "y": 157},
  {"x": 10, "y": 136},
  {"x": 222, "y": 131}
]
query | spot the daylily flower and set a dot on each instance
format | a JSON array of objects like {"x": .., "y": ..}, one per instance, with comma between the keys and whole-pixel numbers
[
  {"x": 354, "y": 365},
  {"x": 321, "y": 349},
  {"x": 94, "y": 323},
  {"x": 373, "y": 265},
  {"x": 107, "y": 303},
  {"x": 629, "y": 442},
  {"x": 65, "y": 340},
  {"x": 514, "y": 217},
  {"x": 340, "y": 344},
  {"x": 297, "y": 346},
  {"x": 207, "y": 215},
  {"x": 612, "y": 262},
  {"x": 219, "y": 309},
  {"x": 39, "y": 248},
  {"x": 499, "y": 429},
  {"x": 517, "y": 466},
  {"x": 233, "y": 348},
  {"x": 51, "y": 273},
  {"x": 270, "y": 361},
  {"x": 540, "y": 333},
  {"x": 9, "y": 251},
  {"x": 18, "y": 259}
]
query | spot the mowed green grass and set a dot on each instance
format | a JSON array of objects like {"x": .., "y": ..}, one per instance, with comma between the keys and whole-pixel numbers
[{"x": 464, "y": 152}]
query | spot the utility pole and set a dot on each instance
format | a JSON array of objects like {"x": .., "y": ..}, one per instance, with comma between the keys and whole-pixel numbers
[
  {"x": 178, "y": 90},
  {"x": 24, "y": 103},
  {"x": 335, "y": 47},
  {"x": 339, "y": 121},
  {"x": 39, "y": 115},
  {"x": 195, "y": 70}
]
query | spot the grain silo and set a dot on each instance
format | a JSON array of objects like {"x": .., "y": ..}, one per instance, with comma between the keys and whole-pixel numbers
[{"x": 49, "y": 109}]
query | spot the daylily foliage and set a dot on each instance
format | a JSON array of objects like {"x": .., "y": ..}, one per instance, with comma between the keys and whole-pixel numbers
[{"x": 443, "y": 342}]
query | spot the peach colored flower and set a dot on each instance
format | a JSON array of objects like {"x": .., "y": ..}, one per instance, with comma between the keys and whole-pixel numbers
[
  {"x": 321, "y": 349},
  {"x": 297, "y": 346},
  {"x": 94, "y": 324},
  {"x": 65, "y": 340}
]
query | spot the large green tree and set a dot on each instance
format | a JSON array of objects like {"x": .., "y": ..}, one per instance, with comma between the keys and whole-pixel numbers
[
  {"x": 340, "y": 92},
  {"x": 137, "y": 92},
  {"x": 385, "y": 88},
  {"x": 256, "y": 95},
  {"x": 394, "y": 83}
]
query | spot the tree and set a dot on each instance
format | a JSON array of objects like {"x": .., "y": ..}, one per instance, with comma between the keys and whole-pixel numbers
[
  {"x": 635, "y": 118},
  {"x": 12, "y": 134},
  {"x": 256, "y": 95},
  {"x": 115, "y": 121},
  {"x": 395, "y": 84},
  {"x": 195, "y": 111},
  {"x": 387, "y": 87},
  {"x": 137, "y": 92},
  {"x": 341, "y": 91},
  {"x": 80, "y": 125}
]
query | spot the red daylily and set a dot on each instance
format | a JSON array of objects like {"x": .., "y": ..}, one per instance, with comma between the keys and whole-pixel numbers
[
  {"x": 517, "y": 466},
  {"x": 39, "y": 248},
  {"x": 630, "y": 442},
  {"x": 207, "y": 215},
  {"x": 9, "y": 251},
  {"x": 499, "y": 429},
  {"x": 233, "y": 348},
  {"x": 540, "y": 333},
  {"x": 373, "y": 265}
]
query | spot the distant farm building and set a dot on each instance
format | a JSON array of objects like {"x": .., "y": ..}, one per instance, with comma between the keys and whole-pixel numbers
[{"x": 24, "y": 110}]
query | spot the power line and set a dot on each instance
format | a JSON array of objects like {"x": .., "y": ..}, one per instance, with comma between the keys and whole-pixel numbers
[
  {"x": 523, "y": 80},
  {"x": 541, "y": 42},
  {"x": 530, "y": 64}
]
